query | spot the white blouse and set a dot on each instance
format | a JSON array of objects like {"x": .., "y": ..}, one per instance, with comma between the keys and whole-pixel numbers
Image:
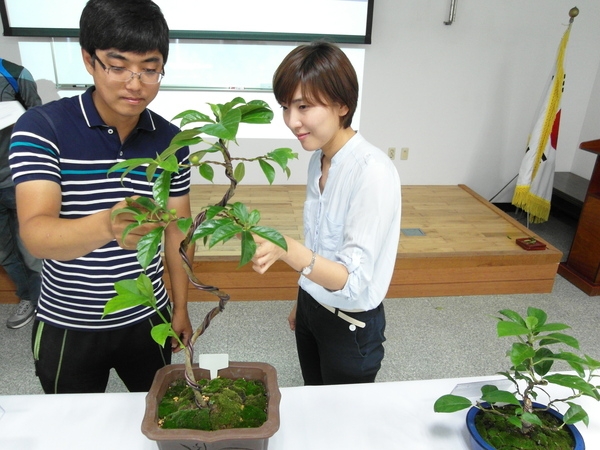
[{"x": 355, "y": 222}]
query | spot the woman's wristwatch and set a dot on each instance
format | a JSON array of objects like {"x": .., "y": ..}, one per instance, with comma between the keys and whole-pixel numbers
[{"x": 308, "y": 269}]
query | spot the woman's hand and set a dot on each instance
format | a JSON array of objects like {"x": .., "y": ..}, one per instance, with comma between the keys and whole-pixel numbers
[
  {"x": 292, "y": 317},
  {"x": 266, "y": 254}
]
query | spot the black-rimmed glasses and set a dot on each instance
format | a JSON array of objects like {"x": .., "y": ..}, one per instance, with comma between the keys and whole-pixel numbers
[{"x": 124, "y": 75}]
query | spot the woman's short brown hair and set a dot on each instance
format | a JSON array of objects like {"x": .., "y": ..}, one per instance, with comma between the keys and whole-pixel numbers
[{"x": 325, "y": 76}]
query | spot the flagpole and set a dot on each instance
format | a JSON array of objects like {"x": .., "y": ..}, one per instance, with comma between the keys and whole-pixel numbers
[{"x": 533, "y": 191}]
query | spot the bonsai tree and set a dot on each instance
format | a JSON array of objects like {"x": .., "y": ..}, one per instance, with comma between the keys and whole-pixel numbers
[
  {"x": 532, "y": 360},
  {"x": 214, "y": 224}
]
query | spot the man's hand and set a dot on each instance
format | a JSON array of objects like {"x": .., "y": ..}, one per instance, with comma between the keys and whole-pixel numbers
[
  {"x": 121, "y": 221},
  {"x": 182, "y": 327}
]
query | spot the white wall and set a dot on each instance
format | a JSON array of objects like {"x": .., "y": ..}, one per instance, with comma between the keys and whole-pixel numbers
[{"x": 462, "y": 97}]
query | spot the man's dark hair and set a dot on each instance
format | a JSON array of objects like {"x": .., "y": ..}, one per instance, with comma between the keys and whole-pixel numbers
[
  {"x": 126, "y": 25},
  {"x": 325, "y": 76}
]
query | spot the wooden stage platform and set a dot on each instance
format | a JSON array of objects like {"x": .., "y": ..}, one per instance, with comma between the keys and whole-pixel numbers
[{"x": 467, "y": 247}]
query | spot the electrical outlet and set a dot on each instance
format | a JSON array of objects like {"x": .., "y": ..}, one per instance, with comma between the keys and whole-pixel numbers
[
  {"x": 392, "y": 152},
  {"x": 404, "y": 153}
]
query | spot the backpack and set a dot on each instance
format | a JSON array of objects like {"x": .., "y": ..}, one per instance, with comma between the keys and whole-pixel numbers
[{"x": 11, "y": 80}]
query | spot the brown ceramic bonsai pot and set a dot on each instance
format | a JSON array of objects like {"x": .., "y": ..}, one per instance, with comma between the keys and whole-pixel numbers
[{"x": 246, "y": 438}]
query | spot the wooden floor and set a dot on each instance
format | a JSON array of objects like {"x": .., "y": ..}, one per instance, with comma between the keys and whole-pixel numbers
[{"x": 467, "y": 247}]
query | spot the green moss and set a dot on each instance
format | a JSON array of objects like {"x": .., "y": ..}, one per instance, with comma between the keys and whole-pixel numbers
[
  {"x": 195, "y": 419},
  {"x": 231, "y": 404},
  {"x": 252, "y": 417},
  {"x": 502, "y": 435}
]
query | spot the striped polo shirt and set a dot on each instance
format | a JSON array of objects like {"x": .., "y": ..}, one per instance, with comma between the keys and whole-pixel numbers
[{"x": 67, "y": 142}]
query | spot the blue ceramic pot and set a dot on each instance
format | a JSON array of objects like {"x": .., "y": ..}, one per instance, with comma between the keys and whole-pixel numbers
[{"x": 477, "y": 442}]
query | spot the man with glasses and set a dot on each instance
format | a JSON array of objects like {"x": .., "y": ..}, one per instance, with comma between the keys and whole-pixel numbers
[{"x": 60, "y": 156}]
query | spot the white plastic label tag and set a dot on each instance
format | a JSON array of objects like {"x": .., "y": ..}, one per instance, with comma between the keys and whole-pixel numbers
[{"x": 213, "y": 363}]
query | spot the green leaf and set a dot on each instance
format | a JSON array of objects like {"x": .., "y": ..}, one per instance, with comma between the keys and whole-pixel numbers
[
  {"x": 161, "y": 189},
  {"x": 176, "y": 143},
  {"x": 513, "y": 315},
  {"x": 213, "y": 211},
  {"x": 170, "y": 164},
  {"x": 239, "y": 172},
  {"x": 573, "y": 382},
  {"x": 127, "y": 210},
  {"x": 216, "y": 109},
  {"x": 499, "y": 396},
  {"x": 539, "y": 315},
  {"x": 516, "y": 421},
  {"x": 150, "y": 171},
  {"x": 221, "y": 110},
  {"x": 224, "y": 233},
  {"x": 570, "y": 358},
  {"x": 267, "y": 170},
  {"x": 248, "y": 248},
  {"x": 451, "y": 403},
  {"x": 124, "y": 301},
  {"x": 208, "y": 227},
  {"x": 206, "y": 171},
  {"x": 128, "y": 229},
  {"x": 179, "y": 140},
  {"x": 240, "y": 212},
  {"x": 161, "y": 332},
  {"x": 128, "y": 296},
  {"x": 553, "y": 338},
  {"x": 145, "y": 203},
  {"x": 227, "y": 128},
  {"x": 148, "y": 246},
  {"x": 191, "y": 116},
  {"x": 486, "y": 388},
  {"x": 127, "y": 286},
  {"x": 253, "y": 218},
  {"x": 184, "y": 136},
  {"x": 184, "y": 224},
  {"x": 128, "y": 165},
  {"x": 270, "y": 235},
  {"x": 541, "y": 361},
  {"x": 531, "y": 323},
  {"x": 214, "y": 148},
  {"x": 520, "y": 352},
  {"x": 282, "y": 156},
  {"x": 256, "y": 112},
  {"x": 575, "y": 414},
  {"x": 511, "y": 329},
  {"x": 145, "y": 287},
  {"x": 531, "y": 418},
  {"x": 592, "y": 363},
  {"x": 552, "y": 327}
]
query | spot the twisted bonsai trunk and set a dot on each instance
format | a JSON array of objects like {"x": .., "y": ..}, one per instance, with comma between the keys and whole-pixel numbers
[{"x": 188, "y": 266}]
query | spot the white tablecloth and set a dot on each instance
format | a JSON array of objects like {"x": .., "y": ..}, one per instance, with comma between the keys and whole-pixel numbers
[{"x": 377, "y": 416}]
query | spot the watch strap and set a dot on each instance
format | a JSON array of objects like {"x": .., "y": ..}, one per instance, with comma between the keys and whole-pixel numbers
[{"x": 308, "y": 269}]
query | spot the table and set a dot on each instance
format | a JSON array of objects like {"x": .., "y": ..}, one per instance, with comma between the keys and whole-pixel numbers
[{"x": 378, "y": 416}]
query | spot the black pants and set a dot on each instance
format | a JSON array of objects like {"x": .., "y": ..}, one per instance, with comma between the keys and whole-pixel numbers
[
  {"x": 72, "y": 361},
  {"x": 331, "y": 351}
]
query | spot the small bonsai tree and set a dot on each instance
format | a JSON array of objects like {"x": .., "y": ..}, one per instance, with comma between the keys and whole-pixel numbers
[
  {"x": 532, "y": 360},
  {"x": 214, "y": 224}
]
